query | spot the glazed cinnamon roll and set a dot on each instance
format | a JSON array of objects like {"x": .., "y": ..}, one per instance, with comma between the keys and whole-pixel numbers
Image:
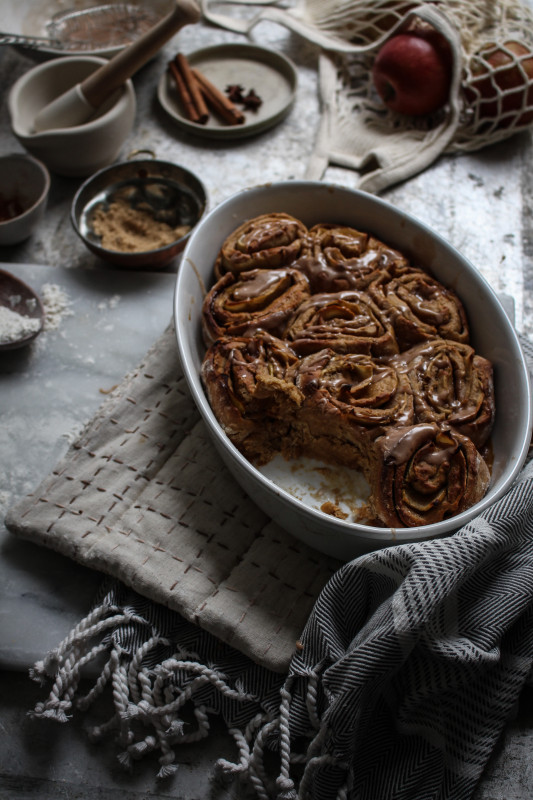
[
  {"x": 265, "y": 242},
  {"x": 328, "y": 343},
  {"x": 239, "y": 305},
  {"x": 336, "y": 258},
  {"x": 420, "y": 308},
  {"x": 451, "y": 384},
  {"x": 350, "y": 397},
  {"x": 245, "y": 382},
  {"x": 347, "y": 322},
  {"x": 424, "y": 474}
]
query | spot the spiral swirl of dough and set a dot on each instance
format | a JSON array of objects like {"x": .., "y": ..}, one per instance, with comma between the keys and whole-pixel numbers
[
  {"x": 347, "y": 322},
  {"x": 424, "y": 474},
  {"x": 265, "y": 242},
  {"x": 260, "y": 299}
]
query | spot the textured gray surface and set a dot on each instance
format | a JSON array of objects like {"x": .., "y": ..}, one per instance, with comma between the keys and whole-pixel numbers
[
  {"x": 481, "y": 203},
  {"x": 47, "y": 392}
]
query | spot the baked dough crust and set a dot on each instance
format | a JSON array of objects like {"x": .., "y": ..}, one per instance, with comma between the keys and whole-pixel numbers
[{"x": 336, "y": 347}]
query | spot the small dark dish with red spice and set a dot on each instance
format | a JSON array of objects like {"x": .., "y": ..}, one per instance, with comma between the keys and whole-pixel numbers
[{"x": 23, "y": 196}]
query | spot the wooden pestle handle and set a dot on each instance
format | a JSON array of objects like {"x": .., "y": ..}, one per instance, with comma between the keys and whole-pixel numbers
[{"x": 100, "y": 84}]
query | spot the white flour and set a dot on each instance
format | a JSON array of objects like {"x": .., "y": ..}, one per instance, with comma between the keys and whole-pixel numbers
[
  {"x": 112, "y": 302},
  {"x": 56, "y": 305},
  {"x": 14, "y": 326}
]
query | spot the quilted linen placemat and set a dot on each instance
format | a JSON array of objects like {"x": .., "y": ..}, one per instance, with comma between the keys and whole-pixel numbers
[{"x": 143, "y": 496}]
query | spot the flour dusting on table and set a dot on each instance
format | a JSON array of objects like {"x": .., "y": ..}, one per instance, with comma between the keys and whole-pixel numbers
[{"x": 57, "y": 305}]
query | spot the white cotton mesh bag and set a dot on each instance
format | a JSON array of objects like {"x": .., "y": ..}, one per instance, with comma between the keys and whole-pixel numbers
[{"x": 487, "y": 103}]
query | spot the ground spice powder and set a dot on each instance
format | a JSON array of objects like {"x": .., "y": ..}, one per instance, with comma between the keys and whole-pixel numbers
[{"x": 126, "y": 229}]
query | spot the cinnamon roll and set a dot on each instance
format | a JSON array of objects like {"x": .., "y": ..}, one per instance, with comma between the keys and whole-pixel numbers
[
  {"x": 452, "y": 384},
  {"x": 245, "y": 382},
  {"x": 328, "y": 343},
  {"x": 420, "y": 308},
  {"x": 336, "y": 258},
  {"x": 347, "y": 322},
  {"x": 349, "y": 398},
  {"x": 239, "y": 305},
  {"x": 424, "y": 474},
  {"x": 265, "y": 242}
]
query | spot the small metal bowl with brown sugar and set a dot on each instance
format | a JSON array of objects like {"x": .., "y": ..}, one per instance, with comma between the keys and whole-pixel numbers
[{"x": 138, "y": 213}]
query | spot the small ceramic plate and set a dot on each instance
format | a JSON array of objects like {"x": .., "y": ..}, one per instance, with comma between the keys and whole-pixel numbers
[{"x": 272, "y": 76}]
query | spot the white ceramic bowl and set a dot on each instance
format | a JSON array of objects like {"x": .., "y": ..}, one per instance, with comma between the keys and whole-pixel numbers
[
  {"x": 493, "y": 336},
  {"x": 82, "y": 149},
  {"x": 24, "y": 187}
]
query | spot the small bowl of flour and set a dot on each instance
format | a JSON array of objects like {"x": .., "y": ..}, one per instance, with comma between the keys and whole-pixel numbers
[{"x": 21, "y": 312}]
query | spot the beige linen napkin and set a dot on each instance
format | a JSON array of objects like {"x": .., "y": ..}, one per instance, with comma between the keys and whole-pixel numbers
[{"x": 143, "y": 496}]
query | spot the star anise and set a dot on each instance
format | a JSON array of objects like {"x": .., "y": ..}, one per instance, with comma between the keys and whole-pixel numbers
[
  {"x": 234, "y": 92},
  {"x": 252, "y": 100}
]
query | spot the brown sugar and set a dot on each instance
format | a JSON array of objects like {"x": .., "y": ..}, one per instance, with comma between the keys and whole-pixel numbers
[{"x": 132, "y": 230}]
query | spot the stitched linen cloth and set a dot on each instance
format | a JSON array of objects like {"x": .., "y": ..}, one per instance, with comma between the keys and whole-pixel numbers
[
  {"x": 410, "y": 662},
  {"x": 142, "y": 496}
]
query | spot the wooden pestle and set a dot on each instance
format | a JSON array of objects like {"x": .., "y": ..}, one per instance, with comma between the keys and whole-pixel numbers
[{"x": 79, "y": 103}]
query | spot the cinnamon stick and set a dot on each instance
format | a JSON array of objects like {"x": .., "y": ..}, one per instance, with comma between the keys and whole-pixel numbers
[
  {"x": 183, "y": 93},
  {"x": 193, "y": 113},
  {"x": 193, "y": 88},
  {"x": 218, "y": 101}
]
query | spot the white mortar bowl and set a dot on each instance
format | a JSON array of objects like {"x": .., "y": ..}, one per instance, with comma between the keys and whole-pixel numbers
[
  {"x": 25, "y": 181},
  {"x": 82, "y": 149},
  {"x": 493, "y": 336}
]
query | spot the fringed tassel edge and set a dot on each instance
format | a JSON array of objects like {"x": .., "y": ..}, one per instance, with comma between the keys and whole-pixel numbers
[{"x": 147, "y": 704}]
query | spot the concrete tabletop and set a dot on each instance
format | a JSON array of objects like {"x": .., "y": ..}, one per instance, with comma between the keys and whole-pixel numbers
[{"x": 480, "y": 202}]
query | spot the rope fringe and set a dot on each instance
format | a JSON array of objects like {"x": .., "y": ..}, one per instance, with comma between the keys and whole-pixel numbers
[{"x": 147, "y": 703}]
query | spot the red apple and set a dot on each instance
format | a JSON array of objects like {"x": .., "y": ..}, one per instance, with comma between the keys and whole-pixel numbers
[
  {"x": 412, "y": 72},
  {"x": 513, "y": 65}
]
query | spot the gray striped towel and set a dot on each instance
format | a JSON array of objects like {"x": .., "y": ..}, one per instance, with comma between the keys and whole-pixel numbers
[{"x": 411, "y": 662}]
